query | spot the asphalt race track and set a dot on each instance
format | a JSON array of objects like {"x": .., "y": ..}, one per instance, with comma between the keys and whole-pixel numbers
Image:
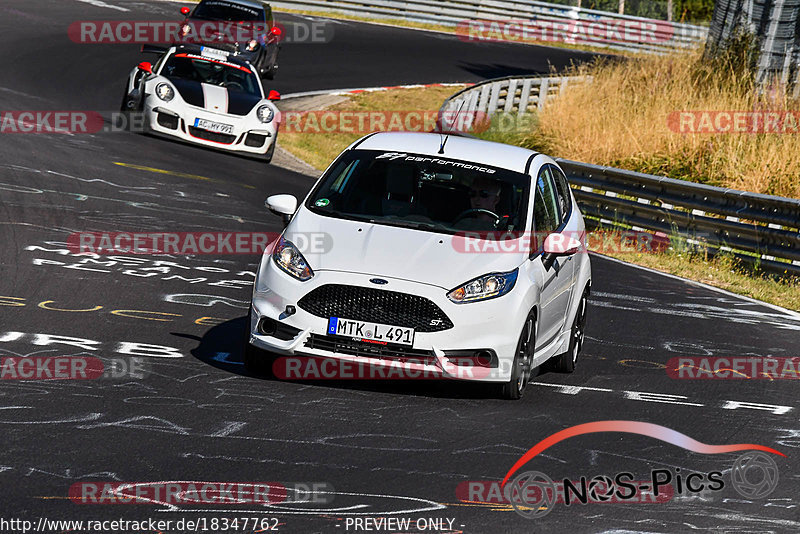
[{"x": 394, "y": 449}]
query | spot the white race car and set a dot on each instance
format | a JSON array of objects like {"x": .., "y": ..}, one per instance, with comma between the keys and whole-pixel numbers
[
  {"x": 442, "y": 253},
  {"x": 204, "y": 96}
]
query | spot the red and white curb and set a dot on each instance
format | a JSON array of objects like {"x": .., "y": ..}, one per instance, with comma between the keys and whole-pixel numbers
[{"x": 371, "y": 89}]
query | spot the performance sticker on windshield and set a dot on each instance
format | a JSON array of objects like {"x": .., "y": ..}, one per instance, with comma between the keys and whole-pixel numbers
[{"x": 438, "y": 161}]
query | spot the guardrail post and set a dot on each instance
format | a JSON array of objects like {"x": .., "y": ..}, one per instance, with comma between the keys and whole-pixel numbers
[{"x": 543, "y": 89}]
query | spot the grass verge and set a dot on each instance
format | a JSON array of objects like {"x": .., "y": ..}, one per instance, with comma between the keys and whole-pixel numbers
[
  {"x": 319, "y": 149},
  {"x": 630, "y": 117},
  {"x": 723, "y": 271}
]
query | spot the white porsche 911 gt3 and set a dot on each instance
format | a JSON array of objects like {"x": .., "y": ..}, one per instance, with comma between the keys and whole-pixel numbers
[
  {"x": 444, "y": 252},
  {"x": 204, "y": 96}
]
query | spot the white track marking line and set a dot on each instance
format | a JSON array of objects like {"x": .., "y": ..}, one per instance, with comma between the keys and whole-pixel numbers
[{"x": 788, "y": 312}]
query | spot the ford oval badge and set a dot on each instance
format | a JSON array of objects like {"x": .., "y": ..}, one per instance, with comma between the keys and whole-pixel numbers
[{"x": 379, "y": 281}]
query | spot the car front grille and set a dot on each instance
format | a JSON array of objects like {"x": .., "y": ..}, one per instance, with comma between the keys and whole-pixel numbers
[
  {"x": 376, "y": 306},
  {"x": 211, "y": 136},
  {"x": 340, "y": 345}
]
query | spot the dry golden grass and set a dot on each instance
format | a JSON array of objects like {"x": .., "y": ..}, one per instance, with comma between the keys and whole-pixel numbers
[{"x": 621, "y": 120}]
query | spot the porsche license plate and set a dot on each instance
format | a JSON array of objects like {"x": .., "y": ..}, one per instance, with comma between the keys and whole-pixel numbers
[
  {"x": 216, "y": 127},
  {"x": 366, "y": 331}
]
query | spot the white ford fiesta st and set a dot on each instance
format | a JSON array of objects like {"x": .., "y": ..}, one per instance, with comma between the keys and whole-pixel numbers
[
  {"x": 207, "y": 97},
  {"x": 449, "y": 255}
]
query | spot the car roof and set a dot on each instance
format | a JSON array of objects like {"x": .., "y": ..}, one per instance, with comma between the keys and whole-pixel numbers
[
  {"x": 248, "y": 3},
  {"x": 509, "y": 157}
]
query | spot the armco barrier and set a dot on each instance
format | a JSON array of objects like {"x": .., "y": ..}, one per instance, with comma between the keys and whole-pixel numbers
[
  {"x": 507, "y": 95},
  {"x": 756, "y": 228},
  {"x": 570, "y": 21}
]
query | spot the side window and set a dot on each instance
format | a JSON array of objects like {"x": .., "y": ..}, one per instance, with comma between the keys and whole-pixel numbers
[
  {"x": 546, "y": 216},
  {"x": 562, "y": 191}
]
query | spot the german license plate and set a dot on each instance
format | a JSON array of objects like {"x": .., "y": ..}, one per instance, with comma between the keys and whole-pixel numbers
[
  {"x": 216, "y": 127},
  {"x": 366, "y": 331}
]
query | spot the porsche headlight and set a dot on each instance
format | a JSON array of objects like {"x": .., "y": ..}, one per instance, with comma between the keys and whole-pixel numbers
[
  {"x": 252, "y": 45},
  {"x": 265, "y": 114},
  {"x": 165, "y": 92},
  {"x": 289, "y": 259},
  {"x": 485, "y": 287},
  {"x": 186, "y": 30}
]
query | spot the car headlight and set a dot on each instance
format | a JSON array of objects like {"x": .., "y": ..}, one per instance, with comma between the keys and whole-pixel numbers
[
  {"x": 288, "y": 258},
  {"x": 186, "y": 29},
  {"x": 265, "y": 114},
  {"x": 252, "y": 45},
  {"x": 485, "y": 287},
  {"x": 165, "y": 92}
]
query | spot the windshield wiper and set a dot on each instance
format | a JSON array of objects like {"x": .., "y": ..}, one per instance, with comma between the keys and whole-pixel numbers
[{"x": 406, "y": 224}]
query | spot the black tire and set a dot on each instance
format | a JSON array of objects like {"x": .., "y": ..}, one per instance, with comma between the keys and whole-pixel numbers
[
  {"x": 270, "y": 72},
  {"x": 256, "y": 361},
  {"x": 566, "y": 362},
  {"x": 123, "y": 106},
  {"x": 124, "y": 110},
  {"x": 521, "y": 368},
  {"x": 271, "y": 151}
]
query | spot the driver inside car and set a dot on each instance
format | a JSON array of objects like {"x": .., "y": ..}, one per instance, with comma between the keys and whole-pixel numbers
[{"x": 484, "y": 199}]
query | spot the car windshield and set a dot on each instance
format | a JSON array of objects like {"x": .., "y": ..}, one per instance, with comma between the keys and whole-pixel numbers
[
  {"x": 436, "y": 194},
  {"x": 228, "y": 11},
  {"x": 211, "y": 71}
]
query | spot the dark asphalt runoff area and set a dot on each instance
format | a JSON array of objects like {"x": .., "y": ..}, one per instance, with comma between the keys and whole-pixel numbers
[{"x": 382, "y": 449}]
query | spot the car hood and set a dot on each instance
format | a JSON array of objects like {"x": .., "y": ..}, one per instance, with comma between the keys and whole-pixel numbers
[
  {"x": 215, "y": 98},
  {"x": 331, "y": 244}
]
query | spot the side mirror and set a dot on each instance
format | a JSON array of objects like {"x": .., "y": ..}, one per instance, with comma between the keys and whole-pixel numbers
[
  {"x": 283, "y": 205},
  {"x": 274, "y": 95},
  {"x": 185, "y": 11},
  {"x": 146, "y": 66},
  {"x": 276, "y": 31},
  {"x": 557, "y": 245}
]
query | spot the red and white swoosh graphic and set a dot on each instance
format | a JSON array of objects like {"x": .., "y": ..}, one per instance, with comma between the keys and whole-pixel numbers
[{"x": 216, "y": 98}]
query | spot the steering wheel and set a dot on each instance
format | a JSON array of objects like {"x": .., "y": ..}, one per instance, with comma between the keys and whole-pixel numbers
[
  {"x": 234, "y": 85},
  {"x": 473, "y": 212}
]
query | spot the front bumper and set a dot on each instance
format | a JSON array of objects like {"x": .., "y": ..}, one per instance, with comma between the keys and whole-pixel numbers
[
  {"x": 493, "y": 325},
  {"x": 247, "y": 137}
]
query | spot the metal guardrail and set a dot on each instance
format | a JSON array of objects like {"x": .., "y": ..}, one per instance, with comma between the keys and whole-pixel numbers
[
  {"x": 507, "y": 95},
  {"x": 567, "y": 23},
  {"x": 755, "y": 228}
]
